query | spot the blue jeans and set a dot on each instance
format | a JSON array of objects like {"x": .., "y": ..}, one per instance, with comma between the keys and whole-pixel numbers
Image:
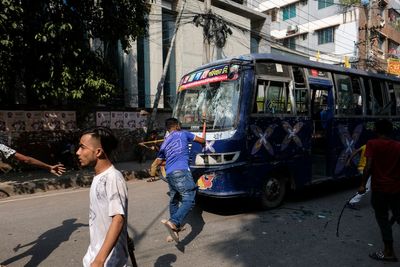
[{"x": 181, "y": 189}]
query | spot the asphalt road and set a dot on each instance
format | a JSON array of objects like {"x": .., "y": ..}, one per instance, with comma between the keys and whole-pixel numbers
[{"x": 50, "y": 229}]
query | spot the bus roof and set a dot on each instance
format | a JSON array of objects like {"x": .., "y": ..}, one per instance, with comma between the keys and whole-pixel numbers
[{"x": 301, "y": 62}]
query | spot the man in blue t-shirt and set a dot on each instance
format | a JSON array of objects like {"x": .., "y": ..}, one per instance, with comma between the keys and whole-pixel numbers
[{"x": 175, "y": 151}]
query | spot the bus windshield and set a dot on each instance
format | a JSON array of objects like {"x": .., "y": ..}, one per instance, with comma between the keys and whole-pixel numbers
[{"x": 218, "y": 102}]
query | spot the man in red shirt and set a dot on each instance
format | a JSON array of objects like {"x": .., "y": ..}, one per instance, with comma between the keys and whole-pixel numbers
[{"x": 383, "y": 164}]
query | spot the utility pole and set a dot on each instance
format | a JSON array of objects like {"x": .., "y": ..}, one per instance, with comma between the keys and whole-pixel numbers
[
  {"x": 206, "y": 41},
  {"x": 151, "y": 119},
  {"x": 368, "y": 25}
]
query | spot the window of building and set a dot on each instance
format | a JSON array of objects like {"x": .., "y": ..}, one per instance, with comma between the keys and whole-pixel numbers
[
  {"x": 169, "y": 93},
  {"x": 381, "y": 42},
  {"x": 289, "y": 12},
  {"x": 326, "y": 35},
  {"x": 290, "y": 43},
  {"x": 324, "y": 3},
  {"x": 254, "y": 43},
  {"x": 393, "y": 47},
  {"x": 393, "y": 15}
]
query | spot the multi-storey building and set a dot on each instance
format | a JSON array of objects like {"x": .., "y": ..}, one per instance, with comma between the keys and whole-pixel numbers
[{"x": 332, "y": 31}]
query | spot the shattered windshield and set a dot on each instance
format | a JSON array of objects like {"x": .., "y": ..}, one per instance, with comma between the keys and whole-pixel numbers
[{"x": 218, "y": 102}]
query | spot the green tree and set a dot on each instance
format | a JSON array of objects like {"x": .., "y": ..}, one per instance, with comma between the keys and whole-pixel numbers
[{"x": 47, "y": 53}]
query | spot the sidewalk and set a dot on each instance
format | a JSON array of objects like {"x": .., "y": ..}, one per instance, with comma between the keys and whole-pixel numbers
[{"x": 29, "y": 182}]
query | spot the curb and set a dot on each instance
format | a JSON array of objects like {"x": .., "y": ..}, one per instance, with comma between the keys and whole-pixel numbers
[{"x": 70, "y": 180}]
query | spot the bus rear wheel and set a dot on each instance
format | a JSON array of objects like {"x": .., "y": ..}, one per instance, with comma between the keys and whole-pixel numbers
[{"x": 273, "y": 193}]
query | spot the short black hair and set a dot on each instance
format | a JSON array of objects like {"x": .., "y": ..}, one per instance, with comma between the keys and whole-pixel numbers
[
  {"x": 171, "y": 122},
  {"x": 106, "y": 137},
  {"x": 384, "y": 127}
]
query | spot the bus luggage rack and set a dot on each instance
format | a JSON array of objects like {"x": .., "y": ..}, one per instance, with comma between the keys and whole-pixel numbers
[{"x": 217, "y": 158}]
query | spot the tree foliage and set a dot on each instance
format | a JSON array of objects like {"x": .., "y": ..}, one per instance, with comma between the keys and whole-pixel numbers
[{"x": 47, "y": 52}]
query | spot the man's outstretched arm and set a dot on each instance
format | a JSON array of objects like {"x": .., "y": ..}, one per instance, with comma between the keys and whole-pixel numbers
[{"x": 57, "y": 169}]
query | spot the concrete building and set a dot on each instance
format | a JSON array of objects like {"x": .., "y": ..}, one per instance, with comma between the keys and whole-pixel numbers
[
  {"x": 143, "y": 66},
  {"x": 326, "y": 30}
]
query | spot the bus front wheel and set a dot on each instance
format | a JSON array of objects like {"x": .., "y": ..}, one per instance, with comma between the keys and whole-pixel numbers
[{"x": 273, "y": 192}]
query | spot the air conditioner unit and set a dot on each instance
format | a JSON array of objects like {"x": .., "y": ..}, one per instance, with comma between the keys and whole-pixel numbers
[{"x": 292, "y": 29}]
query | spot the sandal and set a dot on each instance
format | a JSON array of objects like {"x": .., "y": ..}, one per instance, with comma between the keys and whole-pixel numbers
[
  {"x": 172, "y": 230},
  {"x": 379, "y": 256},
  {"x": 153, "y": 179}
]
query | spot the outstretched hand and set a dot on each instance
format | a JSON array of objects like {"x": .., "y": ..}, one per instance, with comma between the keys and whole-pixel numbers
[{"x": 57, "y": 169}]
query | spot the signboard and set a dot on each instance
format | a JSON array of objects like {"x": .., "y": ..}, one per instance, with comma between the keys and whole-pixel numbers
[
  {"x": 393, "y": 66},
  {"x": 214, "y": 74}
]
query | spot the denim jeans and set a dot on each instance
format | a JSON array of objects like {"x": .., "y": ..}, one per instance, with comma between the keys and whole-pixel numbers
[{"x": 181, "y": 189}]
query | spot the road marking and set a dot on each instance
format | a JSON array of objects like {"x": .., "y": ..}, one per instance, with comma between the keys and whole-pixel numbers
[{"x": 44, "y": 195}]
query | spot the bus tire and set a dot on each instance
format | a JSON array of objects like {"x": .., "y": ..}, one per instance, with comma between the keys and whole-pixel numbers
[{"x": 273, "y": 192}]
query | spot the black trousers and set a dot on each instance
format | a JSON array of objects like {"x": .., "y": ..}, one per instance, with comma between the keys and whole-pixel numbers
[{"x": 382, "y": 204}]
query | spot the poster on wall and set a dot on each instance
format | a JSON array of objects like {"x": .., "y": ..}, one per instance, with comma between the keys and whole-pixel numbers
[
  {"x": 103, "y": 118},
  {"x": 129, "y": 120},
  {"x": 34, "y": 120},
  {"x": 141, "y": 120},
  {"x": 3, "y": 121},
  {"x": 16, "y": 120},
  {"x": 52, "y": 120},
  {"x": 68, "y": 120},
  {"x": 117, "y": 120}
]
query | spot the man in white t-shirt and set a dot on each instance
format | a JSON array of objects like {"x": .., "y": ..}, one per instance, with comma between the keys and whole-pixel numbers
[
  {"x": 7, "y": 153},
  {"x": 108, "y": 201}
]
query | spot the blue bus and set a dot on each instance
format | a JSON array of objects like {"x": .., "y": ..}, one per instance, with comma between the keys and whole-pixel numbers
[{"x": 277, "y": 123}]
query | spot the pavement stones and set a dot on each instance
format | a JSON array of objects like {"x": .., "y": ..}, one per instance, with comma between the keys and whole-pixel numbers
[{"x": 29, "y": 182}]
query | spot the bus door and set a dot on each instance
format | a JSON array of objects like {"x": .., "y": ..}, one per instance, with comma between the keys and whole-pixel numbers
[{"x": 322, "y": 115}]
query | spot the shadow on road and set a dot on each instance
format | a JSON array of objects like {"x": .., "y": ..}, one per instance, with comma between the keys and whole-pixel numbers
[
  {"x": 165, "y": 260},
  {"x": 233, "y": 206},
  {"x": 196, "y": 221},
  {"x": 45, "y": 244}
]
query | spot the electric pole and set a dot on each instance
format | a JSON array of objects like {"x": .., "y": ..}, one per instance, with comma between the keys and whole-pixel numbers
[
  {"x": 160, "y": 86},
  {"x": 370, "y": 34},
  {"x": 206, "y": 40}
]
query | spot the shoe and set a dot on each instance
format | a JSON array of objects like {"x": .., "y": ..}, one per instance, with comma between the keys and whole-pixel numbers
[{"x": 379, "y": 256}]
